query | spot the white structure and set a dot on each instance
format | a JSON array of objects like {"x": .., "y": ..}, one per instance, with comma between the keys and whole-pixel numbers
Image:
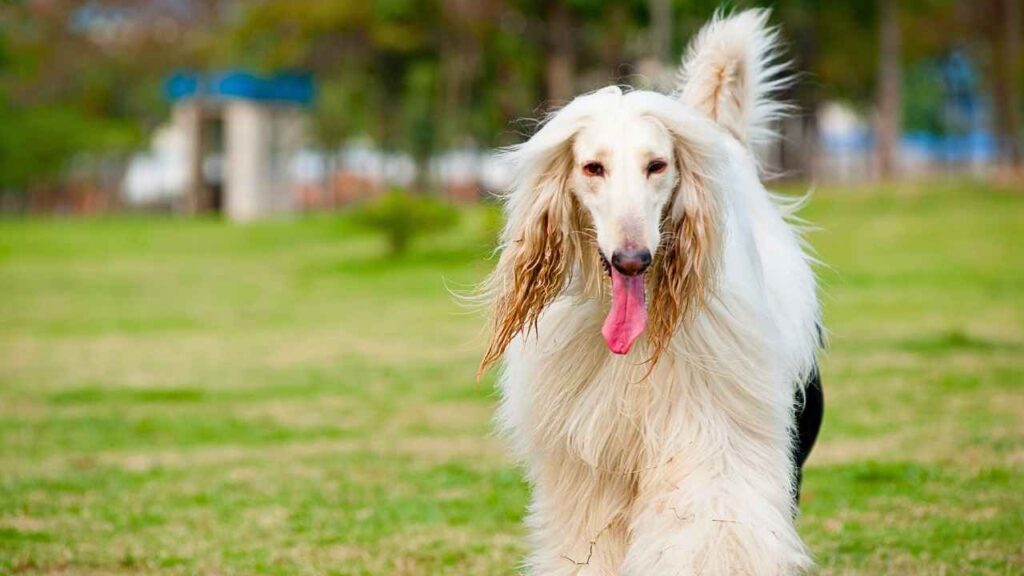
[
  {"x": 238, "y": 134},
  {"x": 258, "y": 142}
]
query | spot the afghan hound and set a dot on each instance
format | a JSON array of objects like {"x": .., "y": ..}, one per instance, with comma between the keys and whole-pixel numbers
[{"x": 657, "y": 322}]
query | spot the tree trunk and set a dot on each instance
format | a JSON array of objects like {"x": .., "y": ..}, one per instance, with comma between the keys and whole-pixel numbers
[
  {"x": 661, "y": 29},
  {"x": 459, "y": 66},
  {"x": 421, "y": 183},
  {"x": 615, "y": 42},
  {"x": 191, "y": 119},
  {"x": 561, "y": 62},
  {"x": 889, "y": 97},
  {"x": 330, "y": 170},
  {"x": 1005, "y": 44}
]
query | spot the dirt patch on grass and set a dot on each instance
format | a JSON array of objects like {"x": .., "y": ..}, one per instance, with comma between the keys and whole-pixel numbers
[{"x": 425, "y": 449}]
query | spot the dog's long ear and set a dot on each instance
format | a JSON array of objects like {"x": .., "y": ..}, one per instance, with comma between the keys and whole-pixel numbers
[
  {"x": 731, "y": 71},
  {"x": 542, "y": 237},
  {"x": 683, "y": 274}
]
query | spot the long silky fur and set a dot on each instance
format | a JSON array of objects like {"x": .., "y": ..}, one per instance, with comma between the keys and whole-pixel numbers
[
  {"x": 680, "y": 465},
  {"x": 680, "y": 278},
  {"x": 542, "y": 242}
]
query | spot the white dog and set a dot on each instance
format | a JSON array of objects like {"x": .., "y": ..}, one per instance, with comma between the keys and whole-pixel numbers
[{"x": 658, "y": 420}]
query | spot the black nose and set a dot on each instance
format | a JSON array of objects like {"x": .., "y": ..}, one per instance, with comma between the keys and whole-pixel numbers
[{"x": 632, "y": 261}]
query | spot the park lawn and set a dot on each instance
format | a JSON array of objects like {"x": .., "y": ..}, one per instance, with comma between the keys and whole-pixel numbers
[{"x": 192, "y": 397}]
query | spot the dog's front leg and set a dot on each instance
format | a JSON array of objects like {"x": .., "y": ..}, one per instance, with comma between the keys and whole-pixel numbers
[
  {"x": 720, "y": 514},
  {"x": 577, "y": 518}
]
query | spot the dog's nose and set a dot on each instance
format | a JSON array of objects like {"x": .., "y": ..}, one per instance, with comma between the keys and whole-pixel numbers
[{"x": 632, "y": 261}]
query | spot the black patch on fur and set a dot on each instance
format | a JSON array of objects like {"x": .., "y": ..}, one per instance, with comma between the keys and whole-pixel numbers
[{"x": 809, "y": 414}]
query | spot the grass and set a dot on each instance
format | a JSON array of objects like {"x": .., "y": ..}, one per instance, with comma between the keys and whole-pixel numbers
[{"x": 190, "y": 397}]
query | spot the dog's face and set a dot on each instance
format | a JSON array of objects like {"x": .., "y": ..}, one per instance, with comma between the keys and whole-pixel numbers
[
  {"x": 624, "y": 174},
  {"x": 613, "y": 191}
]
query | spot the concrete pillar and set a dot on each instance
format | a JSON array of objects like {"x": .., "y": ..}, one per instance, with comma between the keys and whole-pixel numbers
[
  {"x": 259, "y": 141},
  {"x": 187, "y": 118}
]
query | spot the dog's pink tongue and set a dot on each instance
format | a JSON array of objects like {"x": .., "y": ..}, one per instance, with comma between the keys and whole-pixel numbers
[{"x": 628, "y": 316}]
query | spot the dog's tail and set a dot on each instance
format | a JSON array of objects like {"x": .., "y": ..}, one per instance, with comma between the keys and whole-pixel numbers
[{"x": 731, "y": 72}]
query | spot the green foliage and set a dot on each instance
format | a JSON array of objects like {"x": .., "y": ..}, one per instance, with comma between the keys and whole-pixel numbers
[
  {"x": 401, "y": 217},
  {"x": 923, "y": 100},
  {"x": 415, "y": 75},
  {"x": 61, "y": 93},
  {"x": 333, "y": 120},
  {"x": 36, "y": 142},
  {"x": 418, "y": 109}
]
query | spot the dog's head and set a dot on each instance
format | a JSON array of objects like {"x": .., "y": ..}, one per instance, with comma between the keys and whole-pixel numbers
[{"x": 624, "y": 190}]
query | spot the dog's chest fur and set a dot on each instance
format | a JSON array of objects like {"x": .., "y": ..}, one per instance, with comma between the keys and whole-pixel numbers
[
  {"x": 564, "y": 393},
  {"x": 612, "y": 412}
]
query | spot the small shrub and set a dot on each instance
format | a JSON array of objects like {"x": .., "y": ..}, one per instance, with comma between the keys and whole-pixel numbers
[{"x": 401, "y": 217}]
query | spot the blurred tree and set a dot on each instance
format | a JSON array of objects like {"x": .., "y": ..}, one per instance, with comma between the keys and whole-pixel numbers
[
  {"x": 333, "y": 122},
  {"x": 420, "y": 75},
  {"x": 560, "y": 72},
  {"x": 924, "y": 99},
  {"x": 419, "y": 118},
  {"x": 377, "y": 61},
  {"x": 460, "y": 58},
  {"x": 1001, "y": 24},
  {"x": 888, "y": 119},
  {"x": 661, "y": 29},
  {"x": 63, "y": 80}
]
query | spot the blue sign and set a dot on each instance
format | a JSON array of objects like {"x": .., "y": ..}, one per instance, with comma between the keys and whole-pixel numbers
[{"x": 285, "y": 87}]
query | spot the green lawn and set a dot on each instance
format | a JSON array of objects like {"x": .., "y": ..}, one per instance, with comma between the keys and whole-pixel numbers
[{"x": 190, "y": 397}]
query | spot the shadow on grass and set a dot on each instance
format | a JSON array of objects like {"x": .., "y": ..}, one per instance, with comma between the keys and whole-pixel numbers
[
  {"x": 97, "y": 395},
  {"x": 956, "y": 340}
]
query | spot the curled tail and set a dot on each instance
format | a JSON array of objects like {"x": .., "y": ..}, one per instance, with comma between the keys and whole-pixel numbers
[{"x": 731, "y": 72}]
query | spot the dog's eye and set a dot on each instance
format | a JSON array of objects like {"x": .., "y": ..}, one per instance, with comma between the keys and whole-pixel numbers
[
  {"x": 593, "y": 169},
  {"x": 656, "y": 167}
]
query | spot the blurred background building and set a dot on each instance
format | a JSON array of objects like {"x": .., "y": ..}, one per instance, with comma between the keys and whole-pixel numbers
[{"x": 313, "y": 105}]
